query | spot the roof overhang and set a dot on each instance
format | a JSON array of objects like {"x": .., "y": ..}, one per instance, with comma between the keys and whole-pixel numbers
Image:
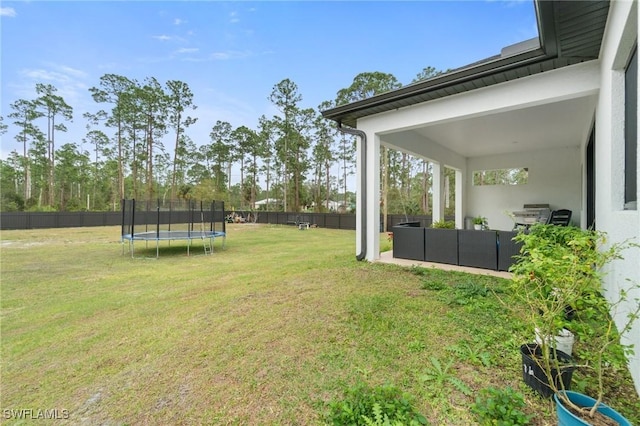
[{"x": 570, "y": 32}]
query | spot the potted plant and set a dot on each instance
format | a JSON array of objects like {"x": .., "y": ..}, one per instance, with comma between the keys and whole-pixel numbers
[
  {"x": 558, "y": 276},
  {"x": 443, "y": 224},
  {"x": 479, "y": 222}
]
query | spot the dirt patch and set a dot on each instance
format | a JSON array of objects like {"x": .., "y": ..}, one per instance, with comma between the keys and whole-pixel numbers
[{"x": 20, "y": 244}]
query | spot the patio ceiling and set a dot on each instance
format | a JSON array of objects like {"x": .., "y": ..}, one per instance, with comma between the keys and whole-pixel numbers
[{"x": 558, "y": 124}]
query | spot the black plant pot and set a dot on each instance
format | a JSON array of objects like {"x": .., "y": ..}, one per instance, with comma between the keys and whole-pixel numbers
[{"x": 534, "y": 375}]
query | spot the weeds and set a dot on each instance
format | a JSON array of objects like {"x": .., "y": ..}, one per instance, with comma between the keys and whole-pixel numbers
[
  {"x": 439, "y": 377},
  {"x": 380, "y": 405},
  {"x": 416, "y": 346},
  {"x": 475, "y": 353},
  {"x": 500, "y": 407}
]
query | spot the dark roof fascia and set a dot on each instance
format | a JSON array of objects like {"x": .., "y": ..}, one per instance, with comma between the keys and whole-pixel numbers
[
  {"x": 545, "y": 15},
  {"x": 461, "y": 75}
]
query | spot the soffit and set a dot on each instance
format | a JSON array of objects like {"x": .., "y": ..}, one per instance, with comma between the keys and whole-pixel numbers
[{"x": 558, "y": 124}]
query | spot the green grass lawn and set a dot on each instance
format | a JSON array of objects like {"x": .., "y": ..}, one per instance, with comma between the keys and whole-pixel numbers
[{"x": 266, "y": 332}]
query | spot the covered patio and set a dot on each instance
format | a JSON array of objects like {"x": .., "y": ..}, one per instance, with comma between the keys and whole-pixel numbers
[{"x": 530, "y": 108}]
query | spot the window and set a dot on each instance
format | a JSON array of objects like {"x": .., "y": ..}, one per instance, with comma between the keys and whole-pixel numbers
[
  {"x": 631, "y": 133},
  {"x": 501, "y": 177}
]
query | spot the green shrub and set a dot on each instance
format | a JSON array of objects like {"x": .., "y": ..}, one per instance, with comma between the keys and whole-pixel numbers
[
  {"x": 444, "y": 224},
  {"x": 558, "y": 277},
  {"x": 500, "y": 407},
  {"x": 380, "y": 405},
  {"x": 479, "y": 220}
]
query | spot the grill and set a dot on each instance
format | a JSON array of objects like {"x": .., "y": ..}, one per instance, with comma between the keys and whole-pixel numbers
[{"x": 531, "y": 214}]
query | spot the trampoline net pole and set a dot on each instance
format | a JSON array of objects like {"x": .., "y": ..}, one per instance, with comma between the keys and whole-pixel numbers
[
  {"x": 122, "y": 223},
  {"x": 190, "y": 222},
  {"x": 133, "y": 216},
  {"x": 212, "y": 209},
  {"x": 224, "y": 222},
  {"x": 158, "y": 219}
]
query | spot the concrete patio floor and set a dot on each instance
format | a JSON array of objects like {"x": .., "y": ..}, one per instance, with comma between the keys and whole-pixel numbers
[{"x": 387, "y": 257}]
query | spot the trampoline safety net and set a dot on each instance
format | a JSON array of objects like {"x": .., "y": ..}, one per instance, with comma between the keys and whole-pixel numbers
[{"x": 161, "y": 220}]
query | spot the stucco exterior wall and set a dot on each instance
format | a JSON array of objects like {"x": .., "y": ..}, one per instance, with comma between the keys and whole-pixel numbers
[
  {"x": 620, "y": 37},
  {"x": 554, "y": 179}
]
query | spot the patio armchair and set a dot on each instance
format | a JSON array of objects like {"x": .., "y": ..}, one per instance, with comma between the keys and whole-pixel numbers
[{"x": 560, "y": 217}]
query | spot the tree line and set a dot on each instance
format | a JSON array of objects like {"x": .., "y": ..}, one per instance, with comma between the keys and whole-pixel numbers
[{"x": 287, "y": 159}]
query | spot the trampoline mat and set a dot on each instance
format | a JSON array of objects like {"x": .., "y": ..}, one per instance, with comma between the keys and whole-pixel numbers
[{"x": 172, "y": 235}]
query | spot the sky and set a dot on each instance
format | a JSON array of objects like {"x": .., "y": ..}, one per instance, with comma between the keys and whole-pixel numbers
[{"x": 232, "y": 54}]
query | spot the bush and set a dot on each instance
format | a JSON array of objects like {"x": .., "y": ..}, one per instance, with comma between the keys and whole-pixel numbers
[
  {"x": 10, "y": 201},
  {"x": 365, "y": 405},
  {"x": 558, "y": 276},
  {"x": 500, "y": 407},
  {"x": 444, "y": 224}
]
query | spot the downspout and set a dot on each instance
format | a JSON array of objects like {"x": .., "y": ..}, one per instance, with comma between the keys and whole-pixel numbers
[{"x": 363, "y": 184}]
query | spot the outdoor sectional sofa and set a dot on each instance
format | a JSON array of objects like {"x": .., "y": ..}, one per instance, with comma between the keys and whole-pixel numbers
[{"x": 487, "y": 249}]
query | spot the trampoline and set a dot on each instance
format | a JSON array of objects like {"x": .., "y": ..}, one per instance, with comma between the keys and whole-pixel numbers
[{"x": 169, "y": 221}]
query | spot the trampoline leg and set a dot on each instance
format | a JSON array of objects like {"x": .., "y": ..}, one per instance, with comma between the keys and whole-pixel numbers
[
  {"x": 209, "y": 249},
  {"x": 157, "y": 249}
]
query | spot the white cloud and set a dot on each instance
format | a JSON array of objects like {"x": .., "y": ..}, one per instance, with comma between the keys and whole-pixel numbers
[
  {"x": 45, "y": 75},
  {"x": 187, "y": 50},
  {"x": 168, "y": 38},
  {"x": 57, "y": 73},
  {"x": 7, "y": 11},
  {"x": 234, "y": 17},
  {"x": 179, "y": 21},
  {"x": 194, "y": 59},
  {"x": 71, "y": 71},
  {"x": 220, "y": 55},
  {"x": 71, "y": 83},
  {"x": 230, "y": 54}
]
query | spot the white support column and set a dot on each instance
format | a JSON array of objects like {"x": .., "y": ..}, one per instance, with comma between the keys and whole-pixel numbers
[
  {"x": 459, "y": 198},
  {"x": 359, "y": 195},
  {"x": 437, "y": 188},
  {"x": 373, "y": 197},
  {"x": 368, "y": 197}
]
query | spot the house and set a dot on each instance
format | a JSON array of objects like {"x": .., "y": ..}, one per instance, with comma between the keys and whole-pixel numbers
[
  {"x": 267, "y": 202},
  {"x": 332, "y": 206},
  {"x": 560, "y": 109}
]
